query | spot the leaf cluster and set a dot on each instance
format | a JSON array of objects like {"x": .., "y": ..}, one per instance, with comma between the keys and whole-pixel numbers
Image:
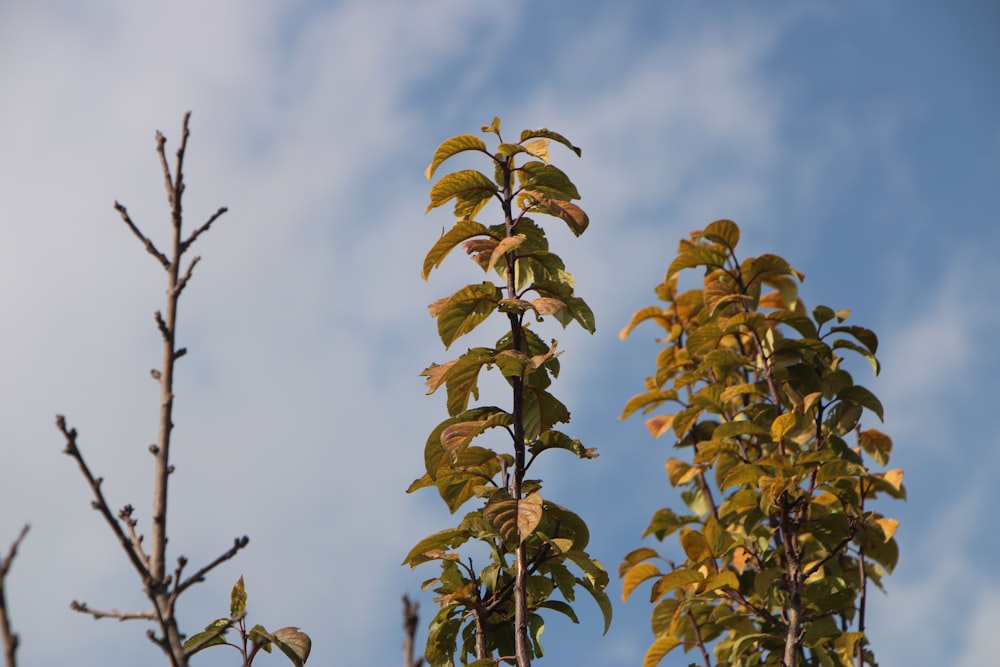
[
  {"x": 779, "y": 538},
  {"x": 512, "y": 519},
  {"x": 295, "y": 644}
]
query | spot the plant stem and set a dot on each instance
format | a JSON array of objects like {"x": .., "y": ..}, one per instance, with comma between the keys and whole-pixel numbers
[{"x": 521, "y": 649}]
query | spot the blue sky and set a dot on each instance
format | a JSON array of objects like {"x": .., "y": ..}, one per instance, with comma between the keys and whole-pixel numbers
[{"x": 859, "y": 140}]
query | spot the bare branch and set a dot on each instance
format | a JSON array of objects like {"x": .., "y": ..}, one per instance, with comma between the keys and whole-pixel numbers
[
  {"x": 199, "y": 576},
  {"x": 150, "y": 246},
  {"x": 135, "y": 555},
  {"x": 204, "y": 228},
  {"x": 125, "y": 514},
  {"x": 182, "y": 283},
  {"x": 10, "y": 639},
  {"x": 114, "y": 613}
]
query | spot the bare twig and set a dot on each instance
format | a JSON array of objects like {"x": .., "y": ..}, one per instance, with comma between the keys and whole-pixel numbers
[
  {"x": 150, "y": 246},
  {"x": 10, "y": 639},
  {"x": 199, "y": 576},
  {"x": 204, "y": 228},
  {"x": 136, "y": 557},
  {"x": 83, "y": 608}
]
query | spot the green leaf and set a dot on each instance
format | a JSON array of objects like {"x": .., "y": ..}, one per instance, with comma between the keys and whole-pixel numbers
[
  {"x": 470, "y": 189},
  {"x": 463, "y": 230},
  {"x": 659, "y": 649},
  {"x": 466, "y": 309},
  {"x": 464, "y": 142},
  {"x": 547, "y": 179},
  {"x": 860, "y": 396},
  {"x": 435, "y": 544},
  {"x": 553, "y": 439},
  {"x": 562, "y": 608},
  {"x": 541, "y": 412},
  {"x": 543, "y": 133},
  {"x": 294, "y": 644},
  {"x": 864, "y": 336},
  {"x": 238, "y": 600},
  {"x": 213, "y": 635}
]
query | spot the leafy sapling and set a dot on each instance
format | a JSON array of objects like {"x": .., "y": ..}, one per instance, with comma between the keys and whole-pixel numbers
[{"x": 536, "y": 547}]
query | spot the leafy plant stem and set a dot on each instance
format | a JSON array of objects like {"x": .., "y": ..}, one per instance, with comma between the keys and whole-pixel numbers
[{"x": 522, "y": 651}]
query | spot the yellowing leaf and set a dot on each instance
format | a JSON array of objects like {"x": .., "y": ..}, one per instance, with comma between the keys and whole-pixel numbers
[
  {"x": 529, "y": 514},
  {"x": 294, "y": 644},
  {"x": 636, "y": 575},
  {"x": 539, "y": 148},
  {"x": 547, "y": 305},
  {"x": 568, "y": 212},
  {"x": 695, "y": 546},
  {"x": 659, "y": 649},
  {"x": 659, "y": 425},
  {"x": 238, "y": 599},
  {"x": 781, "y": 425},
  {"x": 877, "y": 444},
  {"x": 725, "y": 232},
  {"x": 673, "y": 580},
  {"x": 894, "y": 477},
  {"x": 679, "y": 472},
  {"x": 470, "y": 188},
  {"x": 740, "y": 559},
  {"x": 465, "y": 309},
  {"x": 464, "y": 142},
  {"x": 888, "y": 527},
  {"x": 505, "y": 246},
  {"x": 636, "y": 556}
]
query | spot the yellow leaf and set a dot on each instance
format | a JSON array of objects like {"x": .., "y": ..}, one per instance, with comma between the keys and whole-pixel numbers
[
  {"x": 661, "y": 647},
  {"x": 781, "y": 425},
  {"x": 539, "y": 148},
  {"x": 888, "y": 527},
  {"x": 894, "y": 477},
  {"x": 636, "y": 575},
  {"x": 740, "y": 559}
]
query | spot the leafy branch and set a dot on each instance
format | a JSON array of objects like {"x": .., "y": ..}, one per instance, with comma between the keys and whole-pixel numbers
[
  {"x": 776, "y": 571},
  {"x": 531, "y": 540}
]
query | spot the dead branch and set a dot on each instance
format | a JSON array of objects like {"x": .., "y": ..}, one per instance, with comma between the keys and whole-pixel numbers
[{"x": 10, "y": 639}]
